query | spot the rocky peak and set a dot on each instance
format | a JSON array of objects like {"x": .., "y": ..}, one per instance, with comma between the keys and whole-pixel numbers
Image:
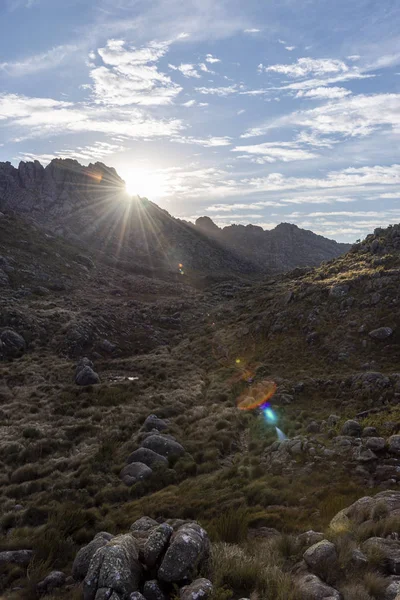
[{"x": 207, "y": 225}]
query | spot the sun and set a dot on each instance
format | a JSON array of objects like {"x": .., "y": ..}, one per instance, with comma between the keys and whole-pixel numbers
[{"x": 140, "y": 182}]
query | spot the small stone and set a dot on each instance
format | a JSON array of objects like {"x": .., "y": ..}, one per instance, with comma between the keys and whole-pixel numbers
[
  {"x": 394, "y": 444},
  {"x": 87, "y": 376},
  {"x": 352, "y": 428},
  {"x": 376, "y": 444},
  {"x": 153, "y": 422},
  {"x": 135, "y": 472},
  {"x": 55, "y": 579},
  {"x": 200, "y": 589},
  {"x": 369, "y": 432},
  {"x": 319, "y": 556},
  {"x": 382, "y": 333},
  {"x": 153, "y": 591}
]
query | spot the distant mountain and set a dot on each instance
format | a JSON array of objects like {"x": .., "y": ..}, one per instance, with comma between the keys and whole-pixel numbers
[
  {"x": 280, "y": 249},
  {"x": 90, "y": 204}
]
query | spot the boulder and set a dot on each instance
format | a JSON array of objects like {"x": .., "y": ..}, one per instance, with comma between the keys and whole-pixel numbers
[
  {"x": 156, "y": 544},
  {"x": 333, "y": 420},
  {"x": 339, "y": 290},
  {"x": 87, "y": 376},
  {"x": 153, "y": 591},
  {"x": 143, "y": 524},
  {"x": 114, "y": 571},
  {"x": 188, "y": 549},
  {"x": 382, "y": 333},
  {"x": 312, "y": 588},
  {"x": 82, "y": 560},
  {"x": 136, "y": 596},
  {"x": 388, "y": 549},
  {"x": 376, "y": 444},
  {"x": 352, "y": 428},
  {"x": 12, "y": 345},
  {"x": 320, "y": 557},
  {"x": 394, "y": 444},
  {"x": 4, "y": 279},
  {"x": 147, "y": 457},
  {"x": 17, "y": 557},
  {"x": 135, "y": 472},
  {"x": 200, "y": 589},
  {"x": 55, "y": 579},
  {"x": 153, "y": 422},
  {"x": 163, "y": 445},
  {"x": 310, "y": 538},
  {"x": 369, "y": 432}
]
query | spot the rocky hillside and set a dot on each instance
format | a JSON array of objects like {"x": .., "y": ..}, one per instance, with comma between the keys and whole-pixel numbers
[
  {"x": 280, "y": 249},
  {"x": 89, "y": 205},
  {"x": 118, "y": 400}
]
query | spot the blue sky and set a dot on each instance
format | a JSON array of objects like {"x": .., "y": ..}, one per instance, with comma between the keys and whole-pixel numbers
[{"x": 248, "y": 112}]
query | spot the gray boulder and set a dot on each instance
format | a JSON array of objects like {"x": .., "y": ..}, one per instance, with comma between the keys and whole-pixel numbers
[
  {"x": 339, "y": 291},
  {"x": 55, "y": 579},
  {"x": 388, "y": 549},
  {"x": 310, "y": 537},
  {"x": 188, "y": 549},
  {"x": 17, "y": 557},
  {"x": 352, "y": 428},
  {"x": 153, "y": 422},
  {"x": 82, "y": 560},
  {"x": 200, "y": 589},
  {"x": 163, "y": 445},
  {"x": 87, "y": 376},
  {"x": 320, "y": 557},
  {"x": 147, "y": 457},
  {"x": 362, "y": 510},
  {"x": 135, "y": 472},
  {"x": 12, "y": 345},
  {"x": 394, "y": 444},
  {"x": 312, "y": 588},
  {"x": 114, "y": 570},
  {"x": 333, "y": 420},
  {"x": 153, "y": 591},
  {"x": 392, "y": 590},
  {"x": 370, "y": 432},
  {"x": 143, "y": 524},
  {"x": 376, "y": 444},
  {"x": 136, "y": 596},
  {"x": 382, "y": 333},
  {"x": 156, "y": 544}
]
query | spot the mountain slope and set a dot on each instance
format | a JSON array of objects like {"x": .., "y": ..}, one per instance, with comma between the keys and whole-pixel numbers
[{"x": 282, "y": 248}]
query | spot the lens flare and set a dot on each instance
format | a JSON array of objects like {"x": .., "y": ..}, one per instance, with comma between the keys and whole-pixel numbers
[
  {"x": 269, "y": 414},
  {"x": 257, "y": 395}
]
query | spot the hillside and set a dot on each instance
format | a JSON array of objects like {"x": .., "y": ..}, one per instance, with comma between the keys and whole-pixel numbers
[
  {"x": 89, "y": 205},
  {"x": 153, "y": 343},
  {"x": 282, "y": 248}
]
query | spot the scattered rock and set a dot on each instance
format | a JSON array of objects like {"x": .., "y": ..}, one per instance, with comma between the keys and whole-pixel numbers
[
  {"x": 156, "y": 544},
  {"x": 153, "y": 422},
  {"x": 309, "y": 538},
  {"x": 107, "y": 347},
  {"x": 153, "y": 591},
  {"x": 339, "y": 291},
  {"x": 162, "y": 445},
  {"x": 82, "y": 560},
  {"x": 376, "y": 444},
  {"x": 394, "y": 444},
  {"x": 188, "y": 549},
  {"x": 87, "y": 376},
  {"x": 12, "y": 345},
  {"x": 200, "y": 589},
  {"x": 147, "y": 457},
  {"x": 312, "y": 588},
  {"x": 55, "y": 579},
  {"x": 390, "y": 551},
  {"x": 352, "y": 428},
  {"x": 320, "y": 556},
  {"x": 382, "y": 333},
  {"x": 135, "y": 472},
  {"x": 17, "y": 557},
  {"x": 143, "y": 524}
]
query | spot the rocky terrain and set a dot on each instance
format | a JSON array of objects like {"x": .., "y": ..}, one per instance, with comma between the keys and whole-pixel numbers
[
  {"x": 281, "y": 249},
  {"x": 89, "y": 205},
  {"x": 127, "y": 470}
]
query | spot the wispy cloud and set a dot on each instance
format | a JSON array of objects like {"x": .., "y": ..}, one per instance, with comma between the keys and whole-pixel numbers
[
  {"x": 252, "y": 30},
  {"x": 212, "y": 59},
  {"x": 271, "y": 152},
  {"x": 97, "y": 151},
  {"x": 38, "y": 62},
  {"x": 219, "y": 91},
  {"x": 210, "y": 142},
  {"x": 324, "y": 93},
  {"x": 187, "y": 70}
]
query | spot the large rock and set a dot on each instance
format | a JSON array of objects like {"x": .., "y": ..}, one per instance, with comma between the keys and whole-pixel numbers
[
  {"x": 388, "y": 549},
  {"x": 188, "y": 549},
  {"x": 153, "y": 422},
  {"x": 153, "y": 591},
  {"x": 200, "y": 589},
  {"x": 147, "y": 457},
  {"x": 12, "y": 345},
  {"x": 394, "y": 444},
  {"x": 382, "y": 333},
  {"x": 55, "y": 579},
  {"x": 376, "y": 444},
  {"x": 82, "y": 560},
  {"x": 362, "y": 509},
  {"x": 135, "y": 472},
  {"x": 17, "y": 557},
  {"x": 163, "y": 445},
  {"x": 143, "y": 524},
  {"x": 352, "y": 428},
  {"x": 87, "y": 376},
  {"x": 312, "y": 588},
  {"x": 114, "y": 570},
  {"x": 156, "y": 544},
  {"x": 321, "y": 557}
]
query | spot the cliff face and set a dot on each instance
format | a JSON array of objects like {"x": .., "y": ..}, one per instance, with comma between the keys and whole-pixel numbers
[
  {"x": 281, "y": 249},
  {"x": 91, "y": 204}
]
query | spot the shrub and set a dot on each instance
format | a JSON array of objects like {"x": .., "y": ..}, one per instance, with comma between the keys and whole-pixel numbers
[{"x": 231, "y": 526}]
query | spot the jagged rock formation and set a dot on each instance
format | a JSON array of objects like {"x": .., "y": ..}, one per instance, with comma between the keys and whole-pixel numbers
[
  {"x": 90, "y": 204},
  {"x": 281, "y": 249}
]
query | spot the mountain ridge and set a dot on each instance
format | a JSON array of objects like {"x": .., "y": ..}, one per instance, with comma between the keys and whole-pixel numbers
[{"x": 90, "y": 203}]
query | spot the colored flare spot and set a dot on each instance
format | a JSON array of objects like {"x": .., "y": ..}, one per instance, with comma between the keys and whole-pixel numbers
[
  {"x": 257, "y": 395},
  {"x": 280, "y": 434},
  {"x": 269, "y": 414}
]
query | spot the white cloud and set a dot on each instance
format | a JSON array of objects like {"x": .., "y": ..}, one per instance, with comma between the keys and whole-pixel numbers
[
  {"x": 212, "y": 59},
  {"x": 324, "y": 93},
  {"x": 218, "y": 91},
  {"x": 270, "y": 152},
  {"x": 390, "y": 195},
  {"x": 38, "y": 62},
  {"x": 308, "y": 66},
  {"x": 241, "y": 111},
  {"x": 354, "y": 57},
  {"x": 40, "y": 117},
  {"x": 187, "y": 70},
  {"x": 252, "y": 30},
  {"x": 84, "y": 153},
  {"x": 129, "y": 76},
  {"x": 210, "y": 142},
  {"x": 203, "y": 67},
  {"x": 189, "y": 103},
  {"x": 290, "y": 48}
]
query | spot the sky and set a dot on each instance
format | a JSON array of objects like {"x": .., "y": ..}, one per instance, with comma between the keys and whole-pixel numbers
[{"x": 261, "y": 112}]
